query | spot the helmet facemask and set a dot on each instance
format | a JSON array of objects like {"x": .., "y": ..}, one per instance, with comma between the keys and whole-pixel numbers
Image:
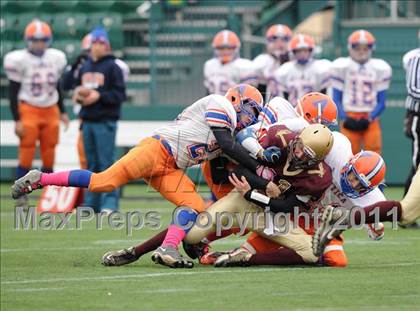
[
  {"x": 301, "y": 156},
  {"x": 37, "y": 46},
  {"x": 360, "y": 53},
  {"x": 278, "y": 45},
  {"x": 348, "y": 174},
  {"x": 226, "y": 53},
  {"x": 247, "y": 113}
]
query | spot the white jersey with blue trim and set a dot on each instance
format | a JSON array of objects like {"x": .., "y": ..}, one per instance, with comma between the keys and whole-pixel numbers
[
  {"x": 219, "y": 77},
  {"x": 265, "y": 65},
  {"x": 279, "y": 110},
  {"x": 297, "y": 80},
  {"x": 336, "y": 159},
  {"x": 360, "y": 83},
  {"x": 38, "y": 75},
  {"x": 190, "y": 135}
]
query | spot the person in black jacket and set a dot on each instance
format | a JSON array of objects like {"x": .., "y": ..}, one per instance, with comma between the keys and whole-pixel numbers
[{"x": 101, "y": 91}]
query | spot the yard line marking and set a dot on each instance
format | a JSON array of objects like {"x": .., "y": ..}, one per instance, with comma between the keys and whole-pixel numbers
[
  {"x": 145, "y": 275},
  {"x": 165, "y": 274},
  {"x": 35, "y": 289}
]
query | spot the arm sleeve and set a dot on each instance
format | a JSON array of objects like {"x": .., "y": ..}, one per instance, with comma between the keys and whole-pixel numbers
[
  {"x": 115, "y": 95},
  {"x": 380, "y": 105},
  {"x": 60, "y": 101},
  {"x": 255, "y": 181},
  {"x": 14, "y": 88},
  {"x": 276, "y": 205},
  {"x": 338, "y": 99},
  {"x": 219, "y": 174},
  {"x": 232, "y": 148},
  {"x": 68, "y": 80}
]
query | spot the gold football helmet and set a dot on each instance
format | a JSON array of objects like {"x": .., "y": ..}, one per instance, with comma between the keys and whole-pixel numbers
[{"x": 311, "y": 146}]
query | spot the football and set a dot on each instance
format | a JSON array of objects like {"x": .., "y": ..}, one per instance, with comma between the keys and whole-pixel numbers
[{"x": 84, "y": 92}]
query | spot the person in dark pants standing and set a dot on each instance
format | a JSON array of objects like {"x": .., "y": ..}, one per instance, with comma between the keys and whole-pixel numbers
[
  {"x": 101, "y": 91},
  {"x": 412, "y": 104}
]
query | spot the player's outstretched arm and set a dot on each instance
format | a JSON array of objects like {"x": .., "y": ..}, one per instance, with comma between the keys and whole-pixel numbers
[{"x": 233, "y": 149}]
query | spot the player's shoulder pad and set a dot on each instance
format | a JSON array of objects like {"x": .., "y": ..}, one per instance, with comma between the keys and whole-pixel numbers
[
  {"x": 211, "y": 62},
  {"x": 221, "y": 108},
  {"x": 323, "y": 63},
  {"x": 13, "y": 64},
  {"x": 261, "y": 59},
  {"x": 56, "y": 53},
  {"x": 381, "y": 65},
  {"x": 341, "y": 62},
  {"x": 278, "y": 101},
  {"x": 14, "y": 56},
  {"x": 341, "y": 148},
  {"x": 284, "y": 69}
]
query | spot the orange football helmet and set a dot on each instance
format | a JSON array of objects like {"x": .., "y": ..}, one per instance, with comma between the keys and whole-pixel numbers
[
  {"x": 299, "y": 44},
  {"x": 247, "y": 102},
  {"x": 226, "y": 45},
  {"x": 316, "y": 107},
  {"x": 38, "y": 31},
  {"x": 360, "y": 45},
  {"x": 368, "y": 167},
  {"x": 277, "y": 38},
  {"x": 361, "y": 37}
]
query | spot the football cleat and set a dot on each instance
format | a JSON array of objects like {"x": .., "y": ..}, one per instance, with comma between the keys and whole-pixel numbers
[
  {"x": 195, "y": 251},
  {"x": 334, "y": 221},
  {"x": 237, "y": 257},
  {"x": 210, "y": 258},
  {"x": 119, "y": 258},
  {"x": 26, "y": 184},
  {"x": 169, "y": 256}
]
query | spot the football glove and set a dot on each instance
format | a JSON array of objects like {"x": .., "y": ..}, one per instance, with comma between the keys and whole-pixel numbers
[
  {"x": 356, "y": 125},
  {"x": 271, "y": 154}
]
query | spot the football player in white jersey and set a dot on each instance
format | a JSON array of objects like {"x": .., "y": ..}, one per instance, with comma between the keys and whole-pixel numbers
[
  {"x": 360, "y": 85},
  {"x": 35, "y": 99},
  {"x": 202, "y": 131},
  {"x": 359, "y": 175},
  {"x": 303, "y": 74},
  {"x": 341, "y": 193},
  {"x": 277, "y": 44},
  {"x": 312, "y": 108},
  {"x": 226, "y": 68}
]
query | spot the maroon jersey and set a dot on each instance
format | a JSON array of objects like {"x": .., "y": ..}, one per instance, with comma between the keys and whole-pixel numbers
[{"x": 305, "y": 182}]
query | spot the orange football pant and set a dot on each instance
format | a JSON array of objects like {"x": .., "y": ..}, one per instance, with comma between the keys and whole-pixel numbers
[
  {"x": 40, "y": 124},
  {"x": 334, "y": 255},
  {"x": 150, "y": 161},
  {"x": 219, "y": 191},
  {"x": 370, "y": 139}
]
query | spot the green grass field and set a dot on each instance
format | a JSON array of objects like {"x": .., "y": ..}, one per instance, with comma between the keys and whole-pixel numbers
[{"x": 61, "y": 270}]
